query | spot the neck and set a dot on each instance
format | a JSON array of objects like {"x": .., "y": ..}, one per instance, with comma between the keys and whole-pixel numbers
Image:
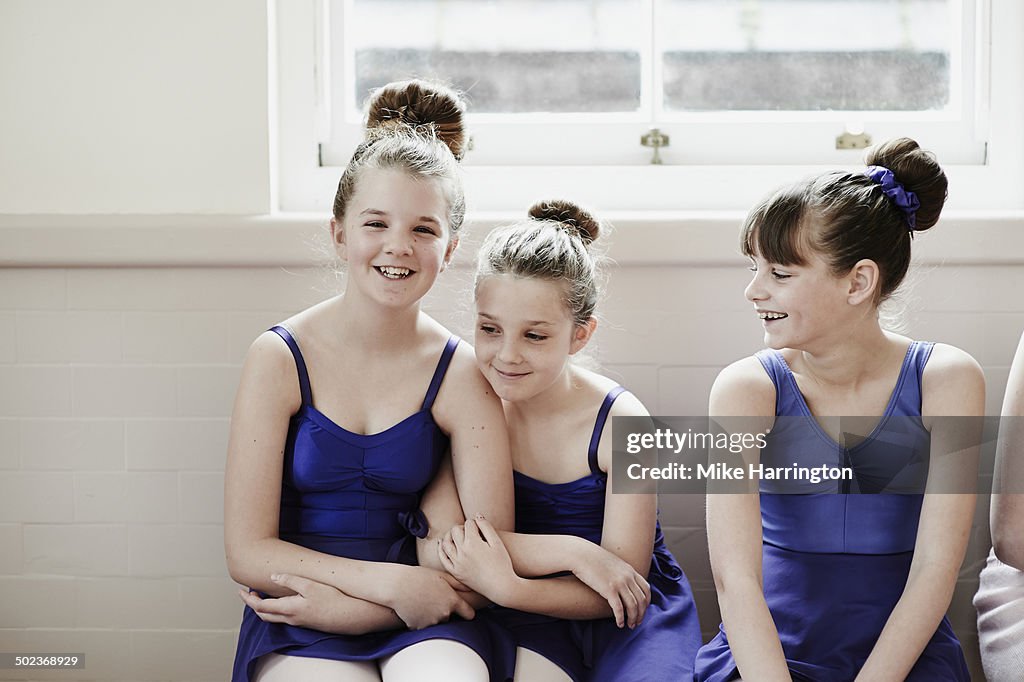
[
  {"x": 846, "y": 361},
  {"x": 383, "y": 329},
  {"x": 549, "y": 402}
]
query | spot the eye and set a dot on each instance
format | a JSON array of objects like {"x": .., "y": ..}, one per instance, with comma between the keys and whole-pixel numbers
[
  {"x": 488, "y": 329},
  {"x": 780, "y": 275},
  {"x": 423, "y": 229},
  {"x": 534, "y": 336},
  {"x": 375, "y": 223}
]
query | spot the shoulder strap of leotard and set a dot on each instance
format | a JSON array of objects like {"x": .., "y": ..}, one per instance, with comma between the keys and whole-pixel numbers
[
  {"x": 300, "y": 364},
  {"x": 602, "y": 417},
  {"x": 442, "y": 367}
]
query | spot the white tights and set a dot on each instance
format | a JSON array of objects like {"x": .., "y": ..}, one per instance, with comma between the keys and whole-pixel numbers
[{"x": 433, "y": 660}]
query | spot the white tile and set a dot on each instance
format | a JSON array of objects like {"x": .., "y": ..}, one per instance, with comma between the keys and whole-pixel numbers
[
  {"x": 198, "y": 655},
  {"x": 33, "y": 602},
  {"x": 207, "y": 391},
  {"x": 68, "y": 336},
  {"x": 197, "y": 289},
  {"x": 8, "y": 337},
  {"x": 184, "y": 551},
  {"x": 210, "y": 603},
  {"x": 964, "y": 288},
  {"x": 35, "y": 391},
  {"x": 672, "y": 290},
  {"x": 128, "y": 603},
  {"x": 684, "y": 391},
  {"x": 124, "y": 391},
  {"x": 106, "y": 651},
  {"x": 712, "y": 339},
  {"x": 36, "y": 497},
  {"x": 72, "y": 444},
  {"x": 33, "y": 289},
  {"x": 176, "y": 337},
  {"x": 78, "y": 550},
  {"x": 990, "y": 337},
  {"x": 202, "y": 497},
  {"x": 10, "y": 444},
  {"x": 177, "y": 444},
  {"x": 135, "y": 497},
  {"x": 12, "y": 558}
]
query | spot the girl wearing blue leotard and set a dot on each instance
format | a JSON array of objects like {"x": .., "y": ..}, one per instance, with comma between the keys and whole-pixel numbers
[
  {"x": 627, "y": 612},
  {"x": 342, "y": 418},
  {"x": 831, "y": 585}
]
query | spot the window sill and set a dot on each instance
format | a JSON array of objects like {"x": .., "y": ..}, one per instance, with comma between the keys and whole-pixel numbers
[{"x": 653, "y": 238}]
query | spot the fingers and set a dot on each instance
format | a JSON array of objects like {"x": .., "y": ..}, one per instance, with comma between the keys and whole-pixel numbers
[
  {"x": 463, "y": 608},
  {"x": 487, "y": 531},
  {"x": 454, "y": 583},
  {"x": 296, "y": 584},
  {"x": 633, "y": 611},
  {"x": 268, "y": 610},
  {"x": 442, "y": 554},
  {"x": 457, "y": 535},
  {"x": 447, "y": 546},
  {"x": 617, "y": 609}
]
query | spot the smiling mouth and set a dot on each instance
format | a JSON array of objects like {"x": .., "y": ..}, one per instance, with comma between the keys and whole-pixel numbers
[
  {"x": 391, "y": 272},
  {"x": 510, "y": 375},
  {"x": 769, "y": 316}
]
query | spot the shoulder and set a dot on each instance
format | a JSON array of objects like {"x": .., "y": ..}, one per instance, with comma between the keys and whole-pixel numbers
[
  {"x": 269, "y": 371},
  {"x": 743, "y": 388},
  {"x": 952, "y": 383}
]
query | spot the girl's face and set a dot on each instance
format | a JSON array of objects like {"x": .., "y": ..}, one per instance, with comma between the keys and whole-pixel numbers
[
  {"x": 798, "y": 304},
  {"x": 395, "y": 236},
  {"x": 524, "y": 335}
]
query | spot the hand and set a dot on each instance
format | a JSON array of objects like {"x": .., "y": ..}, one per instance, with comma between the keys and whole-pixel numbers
[
  {"x": 314, "y": 605},
  {"x": 626, "y": 591},
  {"x": 475, "y": 554},
  {"x": 427, "y": 596}
]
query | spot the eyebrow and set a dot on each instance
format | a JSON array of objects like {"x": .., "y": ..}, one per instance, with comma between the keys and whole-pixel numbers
[
  {"x": 529, "y": 323},
  {"x": 421, "y": 219}
]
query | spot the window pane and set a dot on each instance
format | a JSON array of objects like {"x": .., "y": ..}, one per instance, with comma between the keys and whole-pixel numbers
[
  {"x": 806, "y": 55},
  {"x": 509, "y": 56}
]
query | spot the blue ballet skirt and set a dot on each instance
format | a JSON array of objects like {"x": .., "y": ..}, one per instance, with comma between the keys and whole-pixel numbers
[
  {"x": 835, "y": 562},
  {"x": 357, "y": 496},
  {"x": 661, "y": 648}
]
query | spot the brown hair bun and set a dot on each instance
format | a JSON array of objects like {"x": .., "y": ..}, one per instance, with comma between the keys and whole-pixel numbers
[
  {"x": 576, "y": 219},
  {"x": 918, "y": 172},
  {"x": 420, "y": 104}
]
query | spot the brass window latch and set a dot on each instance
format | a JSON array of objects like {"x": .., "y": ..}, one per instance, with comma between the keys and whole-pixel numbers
[{"x": 656, "y": 139}]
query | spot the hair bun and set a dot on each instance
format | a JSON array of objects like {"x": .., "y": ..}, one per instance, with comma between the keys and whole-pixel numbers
[
  {"x": 420, "y": 105},
  {"x": 578, "y": 220},
  {"x": 918, "y": 171}
]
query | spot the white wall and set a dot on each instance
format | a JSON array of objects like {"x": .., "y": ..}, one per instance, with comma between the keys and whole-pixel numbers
[
  {"x": 129, "y": 106},
  {"x": 121, "y": 336}
]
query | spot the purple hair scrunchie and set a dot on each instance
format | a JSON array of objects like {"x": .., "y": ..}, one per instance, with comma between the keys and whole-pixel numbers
[{"x": 904, "y": 199}]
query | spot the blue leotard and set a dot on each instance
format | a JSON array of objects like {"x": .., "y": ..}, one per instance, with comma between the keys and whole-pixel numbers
[
  {"x": 356, "y": 496},
  {"x": 835, "y": 562},
  {"x": 662, "y": 647}
]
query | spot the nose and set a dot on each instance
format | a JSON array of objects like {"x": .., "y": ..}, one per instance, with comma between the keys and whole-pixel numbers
[
  {"x": 508, "y": 352},
  {"x": 755, "y": 289},
  {"x": 398, "y": 243}
]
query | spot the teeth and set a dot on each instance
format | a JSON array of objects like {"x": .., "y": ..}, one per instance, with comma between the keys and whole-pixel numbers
[
  {"x": 394, "y": 273},
  {"x": 772, "y": 316}
]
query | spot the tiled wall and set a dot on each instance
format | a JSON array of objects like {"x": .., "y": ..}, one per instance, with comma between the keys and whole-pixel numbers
[{"x": 116, "y": 387}]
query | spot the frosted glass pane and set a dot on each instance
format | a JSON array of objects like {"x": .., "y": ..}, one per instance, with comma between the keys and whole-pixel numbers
[{"x": 805, "y": 55}]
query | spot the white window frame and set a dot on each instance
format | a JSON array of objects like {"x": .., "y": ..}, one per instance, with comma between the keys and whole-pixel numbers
[{"x": 692, "y": 179}]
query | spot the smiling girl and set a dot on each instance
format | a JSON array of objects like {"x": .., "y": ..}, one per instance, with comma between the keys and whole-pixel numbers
[
  {"x": 829, "y": 584},
  {"x": 332, "y": 445},
  {"x": 536, "y": 291}
]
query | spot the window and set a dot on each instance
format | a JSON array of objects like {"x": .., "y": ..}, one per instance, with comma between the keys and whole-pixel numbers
[{"x": 737, "y": 84}]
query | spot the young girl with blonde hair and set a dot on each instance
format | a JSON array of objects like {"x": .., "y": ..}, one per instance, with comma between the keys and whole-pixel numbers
[{"x": 342, "y": 418}]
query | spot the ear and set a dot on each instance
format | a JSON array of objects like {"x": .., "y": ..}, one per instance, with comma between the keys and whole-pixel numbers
[
  {"x": 453, "y": 244},
  {"x": 581, "y": 335},
  {"x": 338, "y": 239},
  {"x": 863, "y": 282}
]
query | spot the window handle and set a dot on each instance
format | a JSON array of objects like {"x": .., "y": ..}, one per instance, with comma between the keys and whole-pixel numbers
[{"x": 657, "y": 139}]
